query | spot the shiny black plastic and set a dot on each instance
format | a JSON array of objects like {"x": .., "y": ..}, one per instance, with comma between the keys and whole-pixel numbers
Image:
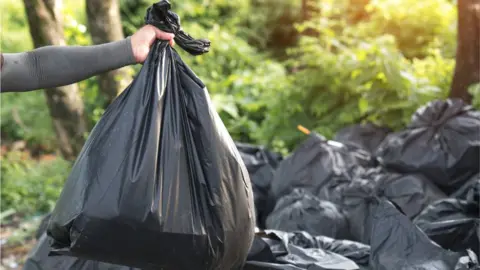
[
  {"x": 397, "y": 244},
  {"x": 261, "y": 164},
  {"x": 411, "y": 193},
  {"x": 160, "y": 16},
  {"x": 303, "y": 211},
  {"x": 159, "y": 183},
  {"x": 452, "y": 223},
  {"x": 442, "y": 142},
  {"x": 313, "y": 165},
  {"x": 366, "y": 136},
  {"x": 470, "y": 191},
  {"x": 38, "y": 259},
  {"x": 288, "y": 251}
]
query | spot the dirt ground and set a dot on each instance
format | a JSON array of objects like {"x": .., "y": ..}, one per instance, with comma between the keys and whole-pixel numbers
[{"x": 16, "y": 241}]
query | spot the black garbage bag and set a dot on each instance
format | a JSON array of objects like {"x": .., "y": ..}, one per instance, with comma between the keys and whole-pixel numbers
[
  {"x": 468, "y": 262},
  {"x": 355, "y": 251},
  {"x": 314, "y": 164},
  {"x": 397, "y": 244},
  {"x": 159, "y": 183},
  {"x": 260, "y": 164},
  {"x": 470, "y": 191},
  {"x": 303, "y": 211},
  {"x": 38, "y": 259},
  {"x": 255, "y": 156},
  {"x": 366, "y": 136},
  {"x": 275, "y": 250},
  {"x": 410, "y": 192},
  {"x": 42, "y": 228},
  {"x": 442, "y": 142},
  {"x": 452, "y": 223}
]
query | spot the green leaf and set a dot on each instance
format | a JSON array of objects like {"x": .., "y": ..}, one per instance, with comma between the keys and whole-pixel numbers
[{"x": 363, "y": 105}]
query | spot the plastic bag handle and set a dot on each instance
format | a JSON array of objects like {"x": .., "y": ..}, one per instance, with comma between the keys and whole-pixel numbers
[{"x": 160, "y": 16}]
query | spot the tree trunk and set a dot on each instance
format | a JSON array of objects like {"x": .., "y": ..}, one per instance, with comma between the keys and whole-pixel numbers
[
  {"x": 65, "y": 104},
  {"x": 467, "y": 65},
  {"x": 105, "y": 26}
]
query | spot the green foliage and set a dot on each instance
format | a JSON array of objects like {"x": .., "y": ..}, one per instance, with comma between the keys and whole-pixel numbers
[
  {"x": 25, "y": 116},
  {"x": 342, "y": 78},
  {"x": 14, "y": 35},
  {"x": 474, "y": 90},
  {"x": 30, "y": 186},
  {"x": 416, "y": 25},
  {"x": 237, "y": 77}
]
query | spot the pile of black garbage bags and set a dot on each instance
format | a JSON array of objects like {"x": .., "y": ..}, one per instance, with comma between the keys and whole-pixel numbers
[{"x": 372, "y": 198}]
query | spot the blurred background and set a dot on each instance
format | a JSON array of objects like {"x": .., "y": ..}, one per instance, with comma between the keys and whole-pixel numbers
[{"x": 273, "y": 65}]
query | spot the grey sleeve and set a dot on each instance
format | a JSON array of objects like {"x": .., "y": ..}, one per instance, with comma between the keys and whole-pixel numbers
[{"x": 54, "y": 66}]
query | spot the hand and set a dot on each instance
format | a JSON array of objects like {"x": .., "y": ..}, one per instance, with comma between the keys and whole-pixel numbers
[{"x": 143, "y": 39}]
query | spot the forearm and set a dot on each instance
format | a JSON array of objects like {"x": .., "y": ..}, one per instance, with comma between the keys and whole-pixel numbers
[{"x": 54, "y": 66}]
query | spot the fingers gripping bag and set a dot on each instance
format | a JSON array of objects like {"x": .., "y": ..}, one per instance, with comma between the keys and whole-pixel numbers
[{"x": 159, "y": 183}]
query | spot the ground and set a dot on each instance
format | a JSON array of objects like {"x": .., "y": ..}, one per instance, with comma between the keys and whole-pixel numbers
[{"x": 16, "y": 239}]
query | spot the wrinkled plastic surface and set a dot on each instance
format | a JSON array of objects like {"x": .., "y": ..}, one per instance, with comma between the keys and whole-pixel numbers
[
  {"x": 160, "y": 16},
  {"x": 396, "y": 243},
  {"x": 357, "y": 252},
  {"x": 276, "y": 250},
  {"x": 366, "y": 136},
  {"x": 442, "y": 142},
  {"x": 470, "y": 191},
  {"x": 261, "y": 164},
  {"x": 303, "y": 211},
  {"x": 410, "y": 192},
  {"x": 159, "y": 183},
  {"x": 38, "y": 259},
  {"x": 452, "y": 223},
  {"x": 314, "y": 164}
]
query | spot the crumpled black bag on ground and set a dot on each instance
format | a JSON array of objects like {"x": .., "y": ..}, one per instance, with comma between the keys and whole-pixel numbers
[
  {"x": 397, "y": 244},
  {"x": 276, "y": 250},
  {"x": 355, "y": 251},
  {"x": 159, "y": 183},
  {"x": 410, "y": 192},
  {"x": 452, "y": 223},
  {"x": 303, "y": 211},
  {"x": 366, "y": 136},
  {"x": 261, "y": 164},
  {"x": 442, "y": 142},
  {"x": 315, "y": 163},
  {"x": 38, "y": 259}
]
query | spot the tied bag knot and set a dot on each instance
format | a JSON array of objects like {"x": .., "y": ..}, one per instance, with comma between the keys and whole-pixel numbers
[{"x": 160, "y": 16}]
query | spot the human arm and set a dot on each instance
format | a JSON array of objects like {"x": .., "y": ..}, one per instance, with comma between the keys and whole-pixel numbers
[{"x": 54, "y": 66}]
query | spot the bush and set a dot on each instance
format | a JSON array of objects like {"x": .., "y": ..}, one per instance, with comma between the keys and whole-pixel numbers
[
  {"x": 417, "y": 26},
  {"x": 30, "y": 186},
  {"x": 340, "y": 79}
]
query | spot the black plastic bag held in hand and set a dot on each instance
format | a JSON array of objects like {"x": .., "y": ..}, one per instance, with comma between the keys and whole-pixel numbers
[{"x": 159, "y": 183}]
